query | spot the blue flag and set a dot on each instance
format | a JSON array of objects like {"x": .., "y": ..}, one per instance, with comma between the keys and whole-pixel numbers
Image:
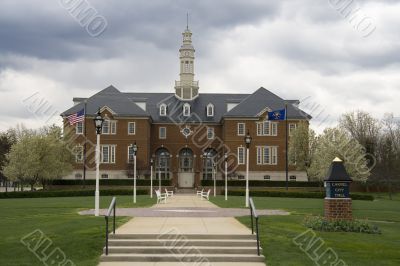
[{"x": 277, "y": 115}]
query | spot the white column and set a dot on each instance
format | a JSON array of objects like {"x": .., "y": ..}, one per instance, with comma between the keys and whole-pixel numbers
[
  {"x": 151, "y": 181},
  {"x": 134, "y": 178},
  {"x": 247, "y": 177},
  {"x": 159, "y": 177},
  {"x": 215, "y": 179},
  {"x": 226, "y": 179},
  {"x": 97, "y": 192}
]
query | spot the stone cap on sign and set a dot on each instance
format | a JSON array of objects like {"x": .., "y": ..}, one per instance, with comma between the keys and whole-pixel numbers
[{"x": 337, "y": 172}]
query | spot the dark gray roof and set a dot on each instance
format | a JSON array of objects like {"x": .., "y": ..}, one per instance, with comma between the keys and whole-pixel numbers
[{"x": 123, "y": 104}]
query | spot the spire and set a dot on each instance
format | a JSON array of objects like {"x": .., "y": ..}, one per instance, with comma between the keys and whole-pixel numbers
[{"x": 187, "y": 20}]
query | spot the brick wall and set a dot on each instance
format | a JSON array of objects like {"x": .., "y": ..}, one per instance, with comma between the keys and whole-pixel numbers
[{"x": 338, "y": 209}]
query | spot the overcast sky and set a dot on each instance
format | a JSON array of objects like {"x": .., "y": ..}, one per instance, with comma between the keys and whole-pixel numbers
[{"x": 306, "y": 49}]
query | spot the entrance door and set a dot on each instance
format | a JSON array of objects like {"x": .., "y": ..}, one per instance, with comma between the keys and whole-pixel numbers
[{"x": 186, "y": 174}]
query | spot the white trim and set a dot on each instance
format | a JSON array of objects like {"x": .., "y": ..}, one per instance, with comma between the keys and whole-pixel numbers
[
  {"x": 241, "y": 149},
  {"x": 211, "y": 106},
  {"x": 159, "y": 132},
  {"x": 134, "y": 128},
  {"x": 184, "y": 109},
  {"x": 163, "y": 105},
  {"x": 244, "y": 129},
  {"x": 76, "y": 128},
  {"x": 211, "y": 130},
  {"x": 111, "y": 149},
  {"x": 105, "y": 107}
]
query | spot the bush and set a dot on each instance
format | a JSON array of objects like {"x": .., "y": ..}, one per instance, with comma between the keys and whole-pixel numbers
[
  {"x": 69, "y": 193},
  {"x": 359, "y": 226},
  {"x": 107, "y": 182},
  {"x": 260, "y": 183},
  {"x": 286, "y": 194}
]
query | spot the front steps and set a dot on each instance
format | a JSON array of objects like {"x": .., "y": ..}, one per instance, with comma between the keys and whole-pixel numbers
[{"x": 182, "y": 248}]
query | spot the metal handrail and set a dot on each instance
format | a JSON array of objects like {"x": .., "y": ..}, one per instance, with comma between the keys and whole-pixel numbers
[
  {"x": 253, "y": 213},
  {"x": 110, "y": 209}
]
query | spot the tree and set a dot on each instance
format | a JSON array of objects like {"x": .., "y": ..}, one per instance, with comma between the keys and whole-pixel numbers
[
  {"x": 6, "y": 141},
  {"x": 336, "y": 143},
  {"x": 39, "y": 156}
]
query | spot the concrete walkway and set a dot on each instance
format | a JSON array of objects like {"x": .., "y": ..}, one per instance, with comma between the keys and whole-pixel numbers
[{"x": 182, "y": 225}]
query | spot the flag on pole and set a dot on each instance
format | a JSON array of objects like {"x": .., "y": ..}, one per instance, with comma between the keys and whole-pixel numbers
[
  {"x": 277, "y": 115},
  {"x": 76, "y": 117}
]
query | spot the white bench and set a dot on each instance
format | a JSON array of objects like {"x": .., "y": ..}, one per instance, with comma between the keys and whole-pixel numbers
[
  {"x": 199, "y": 192},
  {"x": 205, "y": 195},
  {"x": 161, "y": 197},
  {"x": 169, "y": 193}
]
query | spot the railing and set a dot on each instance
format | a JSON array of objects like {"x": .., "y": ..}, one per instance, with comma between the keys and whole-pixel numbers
[
  {"x": 254, "y": 214},
  {"x": 110, "y": 209}
]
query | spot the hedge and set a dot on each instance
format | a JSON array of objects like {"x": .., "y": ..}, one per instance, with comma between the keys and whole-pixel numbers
[
  {"x": 260, "y": 183},
  {"x": 107, "y": 182},
  {"x": 316, "y": 195},
  {"x": 68, "y": 193}
]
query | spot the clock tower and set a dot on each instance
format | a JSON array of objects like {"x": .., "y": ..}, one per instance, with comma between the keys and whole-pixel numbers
[{"x": 186, "y": 88}]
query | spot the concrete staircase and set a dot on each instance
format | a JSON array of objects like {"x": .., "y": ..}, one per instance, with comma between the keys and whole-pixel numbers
[{"x": 182, "y": 248}]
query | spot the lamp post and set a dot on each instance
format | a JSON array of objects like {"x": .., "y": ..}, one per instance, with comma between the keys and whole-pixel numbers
[
  {"x": 151, "y": 178},
  {"x": 226, "y": 175},
  {"x": 98, "y": 123},
  {"x": 247, "y": 141},
  {"x": 214, "y": 177},
  {"x": 135, "y": 148}
]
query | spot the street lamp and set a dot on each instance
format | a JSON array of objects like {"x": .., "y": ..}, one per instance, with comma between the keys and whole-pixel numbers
[
  {"x": 151, "y": 178},
  {"x": 135, "y": 148},
  {"x": 247, "y": 141},
  {"x": 98, "y": 123},
  {"x": 214, "y": 177},
  {"x": 226, "y": 175}
]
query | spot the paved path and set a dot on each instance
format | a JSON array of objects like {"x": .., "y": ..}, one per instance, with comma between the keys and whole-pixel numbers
[{"x": 182, "y": 225}]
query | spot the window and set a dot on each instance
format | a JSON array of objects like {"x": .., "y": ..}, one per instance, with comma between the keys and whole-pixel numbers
[
  {"x": 109, "y": 127},
  {"x": 292, "y": 127},
  {"x": 241, "y": 129},
  {"x": 240, "y": 177},
  {"x": 210, "y": 110},
  {"x": 162, "y": 133},
  {"x": 79, "y": 128},
  {"x": 108, "y": 153},
  {"x": 267, "y": 128},
  {"x": 267, "y": 177},
  {"x": 210, "y": 133},
  {"x": 267, "y": 155},
  {"x": 131, "y": 128},
  {"x": 104, "y": 176},
  {"x": 292, "y": 178},
  {"x": 78, "y": 176},
  {"x": 186, "y": 109},
  {"x": 78, "y": 154},
  {"x": 130, "y": 154},
  {"x": 240, "y": 155},
  {"x": 163, "y": 109}
]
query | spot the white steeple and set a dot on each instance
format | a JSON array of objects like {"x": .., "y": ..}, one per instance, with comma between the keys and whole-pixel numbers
[{"x": 186, "y": 88}]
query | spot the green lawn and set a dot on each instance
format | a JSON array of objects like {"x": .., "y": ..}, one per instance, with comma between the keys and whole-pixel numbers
[
  {"x": 277, "y": 232},
  {"x": 81, "y": 238}
]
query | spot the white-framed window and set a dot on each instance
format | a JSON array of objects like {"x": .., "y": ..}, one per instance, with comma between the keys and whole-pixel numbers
[
  {"x": 241, "y": 129},
  {"x": 240, "y": 155},
  {"x": 186, "y": 109},
  {"x": 162, "y": 132},
  {"x": 267, "y": 155},
  {"x": 292, "y": 178},
  {"x": 267, "y": 128},
  {"x": 292, "y": 127},
  {"x": 79, "y": 154},
  {"x": 210, "y": 133},
  {"x": 79, "y": 128},
  {"x": 104, "y": 176},
  {"x": 130, "y": 154},
  {"x": 267, "y": 177},
  {"x": 131, "y": 128},
  {"x": 210, "y": 110},
  {"x": 109, "y": 127},
  {"x": 107, "y": 153},
  {"x": 163, "y": 109},
  {"x": 78, "y": 176}
]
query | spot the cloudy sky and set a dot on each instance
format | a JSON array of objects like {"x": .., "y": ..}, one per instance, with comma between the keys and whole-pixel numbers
[{"x": 334, "y": 55}]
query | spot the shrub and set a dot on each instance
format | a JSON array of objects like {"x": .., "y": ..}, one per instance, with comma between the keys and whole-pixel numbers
[
  {"x": 69, "y": 193},
  {"x": 287, "y": 194},
  {"x": 260, "y": 183},
  {"x": 107, "y": 182},
  {"x": 359, "y": 226}
]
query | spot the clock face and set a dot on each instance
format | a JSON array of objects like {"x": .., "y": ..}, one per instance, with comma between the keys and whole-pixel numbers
[{"x": 186, "y": 131}]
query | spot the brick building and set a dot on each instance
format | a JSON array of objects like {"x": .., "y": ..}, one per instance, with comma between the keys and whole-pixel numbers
[{"x": 186, "y": 132}]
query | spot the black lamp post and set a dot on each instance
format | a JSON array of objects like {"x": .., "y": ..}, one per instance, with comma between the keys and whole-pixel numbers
[
  {"x": 151, "y": 177},
  {"x": 135, "y": 148},
  {"x": 226, "y": 175},
  {"x": 247, "y": 141},
  {"x": 98, "y": 123}
]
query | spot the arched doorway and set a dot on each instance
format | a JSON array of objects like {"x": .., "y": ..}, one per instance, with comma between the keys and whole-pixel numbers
[
  {"x": 162, "y": 163},
  {"x": 186, "y": 168},
  {"x": 209, "y": 159}
]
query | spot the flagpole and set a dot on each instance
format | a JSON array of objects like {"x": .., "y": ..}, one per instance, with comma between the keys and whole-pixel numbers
[
  {"x": 286, "y": 153},
  {"x": 84, "y": 145}
]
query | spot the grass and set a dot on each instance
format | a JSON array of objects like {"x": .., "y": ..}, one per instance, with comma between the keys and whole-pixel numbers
[
  {"x": 81, "y": 238},
  {"x": 277, "y": 232}
]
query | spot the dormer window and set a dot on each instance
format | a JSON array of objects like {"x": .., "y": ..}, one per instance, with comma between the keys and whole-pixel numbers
[
  {"x": 210, "y": 110},
  {"x": 163, "y": 109},
  {"x": 186, "y": 109}
]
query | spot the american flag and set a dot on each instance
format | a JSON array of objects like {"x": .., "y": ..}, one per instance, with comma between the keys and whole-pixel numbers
[{"x": 76, "y": 117}]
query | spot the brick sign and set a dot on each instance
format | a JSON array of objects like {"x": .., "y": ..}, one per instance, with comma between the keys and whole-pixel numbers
[{"x": 337, "y": 190}]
